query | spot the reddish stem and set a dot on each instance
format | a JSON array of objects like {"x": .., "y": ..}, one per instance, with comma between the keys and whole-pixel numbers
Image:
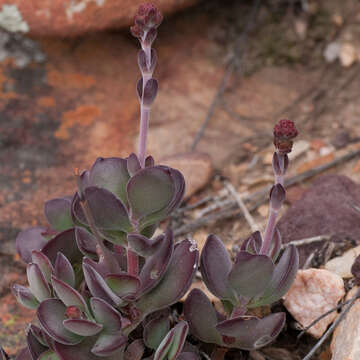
[{"x": 132, "y": 262}]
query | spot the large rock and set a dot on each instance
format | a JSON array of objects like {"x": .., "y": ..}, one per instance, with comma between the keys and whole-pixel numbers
[
  {"x": 74, "y": 17},
  {"x": 325, "y": 209},
  {"x": 314, "y": 292},
  {"x": 345, "y": 344}
]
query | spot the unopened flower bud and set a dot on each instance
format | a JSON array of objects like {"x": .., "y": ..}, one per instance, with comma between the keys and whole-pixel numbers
[
  {"x": 277, "y": 196},
  {"x": 147, "y": 18},
  {"x": 284, "y": 132}
]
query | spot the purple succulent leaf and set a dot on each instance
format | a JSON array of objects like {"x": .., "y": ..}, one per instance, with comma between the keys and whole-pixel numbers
[
  {"x": 149, "y": 191},
  {"x": 98, "y": 286},
  {"x": 150, "y": 92},
  {"x": 149, "y": 161},
  {"x": 157, "y": 264},
  {"x": 139, "y": 88},
  {"x": 253, "y": 243},
  {"x": 29, "y": 240},
  {"x": 251, "y": 332},
  {"x": 80, "y": 351},
  {"x": 65, "y": 243},
  {"x": 123, "y": 285},
  {"x": 51, "y": 313},
  {"x": 41, "y": 337},
  {"x": 24, "y": 296},
  {"x": 44, "y": 264},
  {"x": 133, "y": 164},
  {"x": 109, "y": 344},
  {"x": 83, "y": 181},
  {"x": 108, "y": 211},
  {"x": 202, "y": 317},
  {"x": 86, "y": 242},
  {"x": 276, "y": 245},
  {"x": 37, "y": 282},
  {"x": 283, "y": 276},
  {"x": 171, "y": 346},
  {"x": 24, "y": 354},
  {"x": 250, "y": 274},
  {"x": 82, "y": 327},
  {"x": 142, "y": 62},
  {"x": 58, "y": 213},
  {"x": 188, "y": 356},
  {"x": 215, "y": 267},
  {"x": 68, "y": 295},
  {"x": 156, "y": 328},
  {"x": 48, "y": 355},
  {"x": 111, "y": 174},
  {"x": 277, "y": 196},
  {"x": 63, "y": 270},
  {"x": 135, "y": 350},
  {"x": 175, "y": 282},
  {"x": 144, "y": 246},
  {"x": 106, "y": 315},
  {"x": 117, "y": 237},
  {"x": 179, "y": 183},
  {"x": 35, "y": 347}
]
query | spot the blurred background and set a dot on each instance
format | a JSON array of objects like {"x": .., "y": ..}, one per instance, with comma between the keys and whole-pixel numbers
[{"x": 227, "y": 71}]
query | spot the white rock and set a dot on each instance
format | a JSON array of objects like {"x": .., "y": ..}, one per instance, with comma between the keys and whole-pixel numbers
[
  {"x": 345, "y": 344},
  {"x": 314, "y": 292},
  {"x": 332, "y": 51},
  {"x": 341, "y": 265},
  {"x": 348, "y": 54},
  {"x": 300, "y": 147}
]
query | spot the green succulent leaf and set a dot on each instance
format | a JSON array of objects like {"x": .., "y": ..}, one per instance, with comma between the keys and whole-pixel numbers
[
  {"x": 82, "y": 327},
  {"x": 25, "y": 297},
  {"x": 156, "y": 328},
  {"x": 58, "y": 213},
  {"x": 106, "y": 315},
  {"x": 29, "y": 240},
  {"x": 37, "y": 282},
  {"x": 48, "y": 355}
]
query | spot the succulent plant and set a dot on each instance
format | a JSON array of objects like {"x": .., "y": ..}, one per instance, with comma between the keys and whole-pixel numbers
[
  {"x": 258, "y": 276},
  {"x": 101, "y": 282}
]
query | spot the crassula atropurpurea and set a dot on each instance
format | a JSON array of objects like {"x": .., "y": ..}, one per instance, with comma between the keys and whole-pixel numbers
[{"x": 102, "y": 284}]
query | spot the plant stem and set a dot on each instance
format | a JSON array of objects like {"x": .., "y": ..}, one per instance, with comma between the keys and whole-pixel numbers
[
  {"x": 144, "y": 111},
  {"x": 132, "y": 262},
  {"x": 269, "y": 231},
  {"x": 109, "y": 259}
]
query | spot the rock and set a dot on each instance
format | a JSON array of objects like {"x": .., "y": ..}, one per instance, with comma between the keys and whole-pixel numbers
[
  {"x": 324, "y": 209},
  {"x": 345, "y": 344},
  {"x": 196, "y": 167},
  {"x": 74, "y": 17},
  {"x": 332, "y": 51},
  {"x": 347, "y": 55},
  {"x": 320, "y": 160},
  {"x": 341, "y": 265},
  {"x": 300, "y": 147},
  {"x": 314, "y": 292}
]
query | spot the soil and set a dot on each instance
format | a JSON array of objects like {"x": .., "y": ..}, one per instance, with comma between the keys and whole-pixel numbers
[{"x": 63, "y": 111}]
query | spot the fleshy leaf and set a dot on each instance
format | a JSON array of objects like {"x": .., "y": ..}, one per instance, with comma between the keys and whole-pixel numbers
[
  {"x": 63, "y": 270},
  {"x": 86, "y": 242},
  {"x": 188, "y": 356},
  {"x": 44, "y": 264},
  {"x": 251, "y": 332},
  {"x": 24, "y": 354},
  {"x": 58, "y": 213},
  {"x": 253, "y": 243},
  {"x": 215, "y": 266},
  {"x": 156, "y": 265},
  {"x": 144, "y": 246},
  {"x": 135, "y": 350},
  {"x": 156, "y": 329},
  {"x": 250, "y": 274},
  {"x": 37, "y": 283},
  {"x": 149, "y": 191},
  {"x": 133, "y": 164},
  {"x": 109, "y": 344},
  {"x": 65, "y": 243},
  {"x": 201, "y": 317},
  {"x": 82, "y": 327},
  {"x": 48, "y": 355},
  {"x": 98, "y": 286},
  {"x": 106, "y": 315},
  {"x": 175, "y": 282},
  {"x": 24, "y": 296},
  {"x": 51, "y": 313},
  {"x": 111, "y": 174},
  {"x": 275, "y": 245},
  {"x": 40, "y": 335},
  {"x": 35, "y": 347},
  {"x": 283, "y": 276},
  {"x": 29, "y": 240},
  {"x": 124, "y": 285},
  {"x": 68, "y": 295},
  {"x": 171, "y": 346},
  {"x": 107, "y": 210}
]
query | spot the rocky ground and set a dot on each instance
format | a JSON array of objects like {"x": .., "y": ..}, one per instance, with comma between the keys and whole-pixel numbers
[{"x": 65, "y": 101}]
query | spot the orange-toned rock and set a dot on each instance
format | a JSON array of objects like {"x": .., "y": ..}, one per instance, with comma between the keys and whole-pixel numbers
[
  {"x": 314, "y": 292},
  {"x": 74, "y": 17}
]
